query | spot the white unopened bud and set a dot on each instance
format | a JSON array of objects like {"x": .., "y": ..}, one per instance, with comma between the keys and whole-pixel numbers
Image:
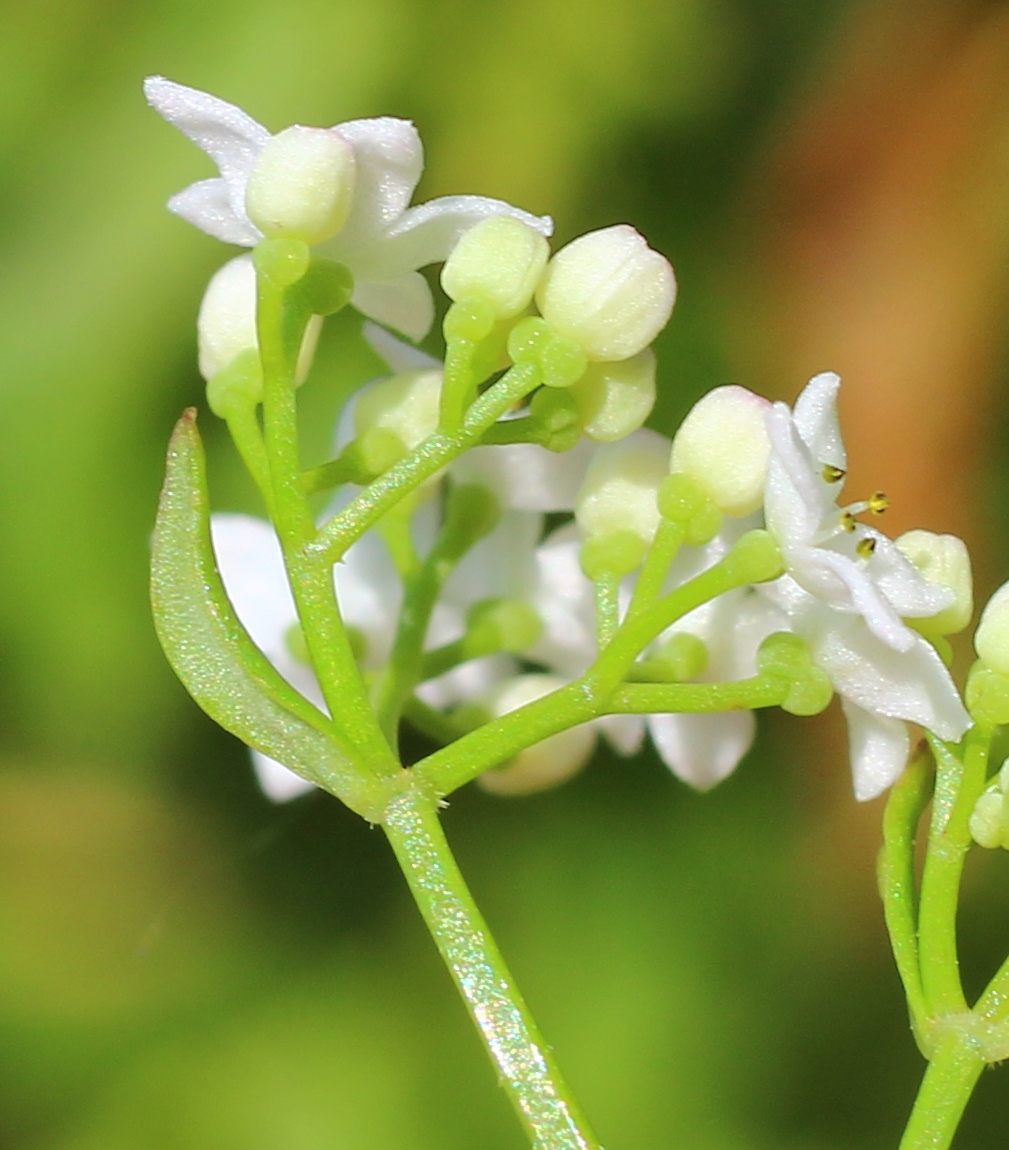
[
  {"x": 544, "y": 764},
  {"x": 226, "y": 324},
  {"x": 942, "y": 559},
  {"x": 991, "y": 639},
  {"x": 723, "y": 444},
  {"x": 609, "y": 292},
  {"x": 393, "y": 416},
  {"x": 989, "y": 826},
  {"x": 500, "y": 260},
  {"x": 614, "y": 399},
  {"x": 302, "y": 184},
  {"x": 619, "y": 492}
]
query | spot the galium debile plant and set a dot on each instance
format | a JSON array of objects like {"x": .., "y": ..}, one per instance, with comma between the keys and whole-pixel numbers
[{"x": 411, "y": 579}]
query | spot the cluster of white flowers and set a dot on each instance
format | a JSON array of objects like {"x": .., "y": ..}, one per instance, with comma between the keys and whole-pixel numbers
[{"x": 862, "y": 603}]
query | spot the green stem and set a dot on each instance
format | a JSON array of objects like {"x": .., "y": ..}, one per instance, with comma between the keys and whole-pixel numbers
[
  {"x": 948, "y": 843},
  {"x": 896, "y": 871},
  {"x": 311, "y": 578},
  {"x": 607, "y": 588},
  {"x": 424, "y": 461},
  {"x": 524, "y": 1062},
  {"x": 451, "y": 767},
  {"x": 945, "y": 1090},
  {"x": 243, "y": 425},
  {"x": 667, "y": 542}
]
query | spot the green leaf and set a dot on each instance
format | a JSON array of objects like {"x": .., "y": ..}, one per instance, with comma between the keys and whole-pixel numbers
[{"x": 210, "y": 650}]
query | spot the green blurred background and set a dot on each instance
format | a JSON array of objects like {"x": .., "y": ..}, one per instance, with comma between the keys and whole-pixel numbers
[{"x": 183, "y": 965}]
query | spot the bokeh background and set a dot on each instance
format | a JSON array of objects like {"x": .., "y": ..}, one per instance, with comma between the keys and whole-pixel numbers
[{"x": 184, "y": 965}]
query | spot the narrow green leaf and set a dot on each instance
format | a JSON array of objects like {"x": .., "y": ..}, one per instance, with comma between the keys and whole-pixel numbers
[{"x": 210, "y": 650}]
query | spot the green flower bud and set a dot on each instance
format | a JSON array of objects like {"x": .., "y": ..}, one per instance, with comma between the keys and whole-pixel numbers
[
  {"x": 302, "y": 185},
  {"x": 616, "y": 398},
  {"x": 619, "y": 491},
  {"x": 609, "y": 292},
  {"x": 991, "y": 640},
  {"x": 942, "y": 559},
  {"x": 500, "y": 260},
  {"x": 394, "y": 416},
  {"x": 494, "y": 625},
  {"x": 724, "y": 445},
  {"x": 987, "y": 696},
  {"x": 685, "y": 654},
  {"x": 989, "y": 821}
]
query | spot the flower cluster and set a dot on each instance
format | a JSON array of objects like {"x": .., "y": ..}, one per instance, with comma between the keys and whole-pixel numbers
[{"x": 521, "y": 611}]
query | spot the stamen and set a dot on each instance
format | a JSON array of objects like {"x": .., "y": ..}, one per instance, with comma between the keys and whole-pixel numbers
[
  {"x": 878, "y": 503},
  {"x": 865, "y": 547},
  {"x": 848, "y": 520},
  {"x": 832, "y": 474}
]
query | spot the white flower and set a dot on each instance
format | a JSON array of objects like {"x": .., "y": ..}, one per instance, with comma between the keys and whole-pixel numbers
[
  {"x": 846, "y": 591},
  {"x": 382, "y": 240},
  {"x": 850, "y": 567}
]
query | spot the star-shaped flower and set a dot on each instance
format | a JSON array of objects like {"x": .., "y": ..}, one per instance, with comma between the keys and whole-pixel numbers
[
  {"x": 382, "y": 240},
  {"x": 847, "y": 591},
  {"x": 848, "y": 566}
]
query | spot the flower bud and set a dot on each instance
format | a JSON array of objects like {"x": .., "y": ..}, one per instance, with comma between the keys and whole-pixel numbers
[
  {"x": 724, "y": 445},
  {"x": 991, "y": 639},
  {"x": 499, "y": 260},
  {"x": 614, "y": 399},
  {"x": 302, "y": 184},
  {"x": 942, "y": 559},
  {"x": 545, "y": 764},
  {"x": 226, "y": 324},
  {"x": 393, "y": 416},
  {"x": 989, "y": 826},
  {"x": 618, "y": 494},
  {"x": 609, "y": 292}
]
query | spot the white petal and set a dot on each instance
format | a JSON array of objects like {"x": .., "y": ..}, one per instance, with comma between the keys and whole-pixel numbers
[
  {"x": 846, "y": 585},
  {"x": 251, "y": 564},
  {"x": 427, "y": 233},
  {"x": 815, "y": 414},
  {"x": 400, "y": 356},
  {"x": 625, "y": 733},
  {"x": 913, "y": 685},
  {"x": 230, "y": 137},
  {"x": 404, "y": 303},
  {"x": 389, "y": 159},
  {"x": 468, "y": 682},
  {"x": 911, "y": 594},
  {"x": 796, "y": 499},
  {"x": 502, "y": 565},
  {"x": 879, "y": 749},
  {"x": 207, "y": 205},
  {"x": 703, "y": 749},
  {"x": 565, "y": 602},
  {"x": 370, "y": 594},
  {"x": 526, "y": 476},
  {"x": 276, "y": 781}
]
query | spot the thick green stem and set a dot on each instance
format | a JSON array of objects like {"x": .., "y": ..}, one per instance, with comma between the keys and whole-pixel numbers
[
  {"x": 524, "y": 1062},
  {"x": 945, "y": 1090}
]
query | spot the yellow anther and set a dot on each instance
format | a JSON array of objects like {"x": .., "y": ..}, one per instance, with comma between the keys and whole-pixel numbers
[
  {"x": 832, "y": 474},
  {"x": 848, "y": 521},
  {"x": 878, "y": 503},
  {"x": 866, "y": 546}
]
